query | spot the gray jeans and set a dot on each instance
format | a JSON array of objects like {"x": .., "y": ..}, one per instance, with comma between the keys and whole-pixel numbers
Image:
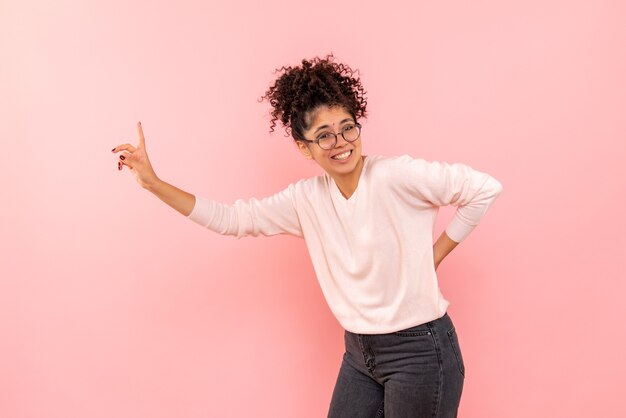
[{"x": 414, "y": 373}]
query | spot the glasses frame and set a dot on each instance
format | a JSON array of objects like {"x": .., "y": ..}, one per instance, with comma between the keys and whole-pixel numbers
[{"x": 317, "y": 141}]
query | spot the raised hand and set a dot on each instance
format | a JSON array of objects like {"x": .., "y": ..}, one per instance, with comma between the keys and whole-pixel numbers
[{"x": 136, "y": 159}]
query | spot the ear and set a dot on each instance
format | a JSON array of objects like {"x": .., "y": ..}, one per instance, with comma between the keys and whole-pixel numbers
[{"x": 304, "y": 149}]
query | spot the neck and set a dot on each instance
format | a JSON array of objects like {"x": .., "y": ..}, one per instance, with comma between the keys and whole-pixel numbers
[{"x": 348, "y": 183}]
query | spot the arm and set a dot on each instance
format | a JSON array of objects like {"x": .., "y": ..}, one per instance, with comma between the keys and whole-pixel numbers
[
  {"x": 441, "y": 184},
  {"x": 178, "y": 199},
  {"x": 269, "y": 216},
  {"x": 473, "y": 192},
  {"x": 442, "y": 248}
]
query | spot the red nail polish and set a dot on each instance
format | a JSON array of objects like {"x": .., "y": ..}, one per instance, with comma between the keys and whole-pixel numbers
[
  {"x": 119, "y": 165},
  {"x": 113, "y": 150},
  {"x": 122, "y": 157}
]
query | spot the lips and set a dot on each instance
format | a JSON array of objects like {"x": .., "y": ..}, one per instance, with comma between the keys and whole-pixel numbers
[{"x": 342, "y": 156}]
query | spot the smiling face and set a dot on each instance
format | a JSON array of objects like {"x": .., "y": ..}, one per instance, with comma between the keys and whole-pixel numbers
[{"x": 344, "y": 160}]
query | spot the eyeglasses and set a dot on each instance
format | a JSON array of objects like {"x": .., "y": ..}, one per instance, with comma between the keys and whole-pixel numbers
[{"x": 328, "y": 140}]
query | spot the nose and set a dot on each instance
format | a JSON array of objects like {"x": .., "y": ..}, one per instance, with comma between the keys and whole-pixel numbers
[{"x": 341, "y": 141}]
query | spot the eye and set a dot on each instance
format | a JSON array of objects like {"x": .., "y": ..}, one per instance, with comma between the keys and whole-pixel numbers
[
  {"x": 325, "y": 136},
  {"x": 348, "y": 128}
]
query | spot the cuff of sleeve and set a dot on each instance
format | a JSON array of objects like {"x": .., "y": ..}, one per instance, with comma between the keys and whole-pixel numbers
[
  {"x": 201, "y": 212},
  {"x": 457, "y": 230}
]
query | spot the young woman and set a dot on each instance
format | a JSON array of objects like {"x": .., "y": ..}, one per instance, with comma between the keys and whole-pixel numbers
[{"x": 368, "y": 225}]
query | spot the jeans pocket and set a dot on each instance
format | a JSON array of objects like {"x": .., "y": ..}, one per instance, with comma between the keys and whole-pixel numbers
[
  {"x": 454, "y": 341},
  {"x": 416, "y": 331}
]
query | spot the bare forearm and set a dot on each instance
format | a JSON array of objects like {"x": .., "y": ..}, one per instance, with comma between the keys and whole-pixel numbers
[
  {"x": 442, "y": 248},
  {"x": 178, "y": 199}
]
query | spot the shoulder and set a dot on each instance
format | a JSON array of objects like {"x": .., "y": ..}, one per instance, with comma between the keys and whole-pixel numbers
[
  {"x": 405, "y": 173},
  {"x": 382, "y": 161},
  {"x": 310, "y": 183},
  {"x": 399, "y": 165},
  {"x": 312, "y": 187}
]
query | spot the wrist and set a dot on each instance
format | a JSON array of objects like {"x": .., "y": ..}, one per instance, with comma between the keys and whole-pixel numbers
[{"x": 153, "y": 185}]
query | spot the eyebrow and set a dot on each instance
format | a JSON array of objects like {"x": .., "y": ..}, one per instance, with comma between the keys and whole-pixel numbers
[{"x": 328, "y": 126}]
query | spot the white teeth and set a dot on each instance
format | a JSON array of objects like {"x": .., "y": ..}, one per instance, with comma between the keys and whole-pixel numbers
[{"x": 341, "y": 156}]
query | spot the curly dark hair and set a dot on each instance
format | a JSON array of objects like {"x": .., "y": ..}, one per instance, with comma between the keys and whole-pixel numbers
[{"x": 317, "y": 82}]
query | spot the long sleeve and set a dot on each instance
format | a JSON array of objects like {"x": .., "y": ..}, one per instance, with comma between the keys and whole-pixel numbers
[
  {"x": 441, "y": 184},
  {"x": 271, "y": 215},
  {"x": 372, "y": 253}
]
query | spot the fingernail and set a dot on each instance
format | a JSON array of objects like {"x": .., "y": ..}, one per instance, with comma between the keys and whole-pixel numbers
[
  {"x": 119, "y": 165},
  {"x": 122, "y": 157},
  {"x": 113, "y": 150}
]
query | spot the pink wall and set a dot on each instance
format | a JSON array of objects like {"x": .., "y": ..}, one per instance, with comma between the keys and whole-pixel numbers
[{"x": 114, "y": 305}]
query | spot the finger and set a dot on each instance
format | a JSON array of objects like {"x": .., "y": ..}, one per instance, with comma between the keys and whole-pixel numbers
[
  {"x": 124, "y": 163},
  {"x": 126, "y": 156},
  {"x": 124, "y": 147},
  {"x": 126, "y": 159},
  {"x": 142, "y": 140}
]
